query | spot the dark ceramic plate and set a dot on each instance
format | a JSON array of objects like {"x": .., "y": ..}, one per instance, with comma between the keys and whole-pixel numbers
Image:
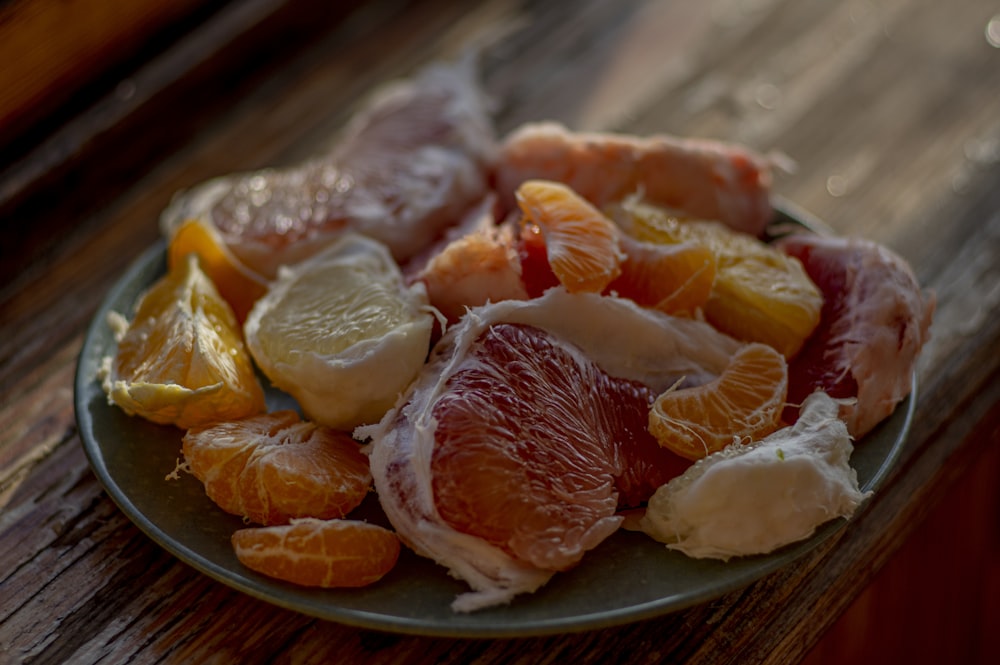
[{"x": 627, "y": 578}]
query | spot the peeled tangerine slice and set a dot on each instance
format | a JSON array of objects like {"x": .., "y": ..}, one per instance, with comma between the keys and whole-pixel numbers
[
  {"x": 275, "y": 467},
  {"x": 341, "y": 332},
  {"x": 507, "y": 458},
  {"x": 753, "y": 499},
  {"x": 319, "y": 553},
  {"x": 759, "y": 293}
]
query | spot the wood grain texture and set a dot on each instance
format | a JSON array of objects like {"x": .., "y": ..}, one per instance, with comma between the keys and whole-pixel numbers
[{"x": 888, "y": 109}]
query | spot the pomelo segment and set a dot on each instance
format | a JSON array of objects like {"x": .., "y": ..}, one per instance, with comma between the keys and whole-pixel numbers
[
  {"x": 342, "y": 333},
  {"x": 407, "y": 166},
  {"x": 874, "y": 323},
  {"x": 705, "y": 179},
  {"x": 618, "y": 337},
  {"x": 753, "y": 499}
]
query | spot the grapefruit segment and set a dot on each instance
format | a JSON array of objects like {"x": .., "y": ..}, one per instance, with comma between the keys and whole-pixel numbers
[
  {"x": 451, "y": 449},
  {"x": 407, "y": 166},
  {"x": 874, "y": 323},
  {"x": 702, "y": 178}
]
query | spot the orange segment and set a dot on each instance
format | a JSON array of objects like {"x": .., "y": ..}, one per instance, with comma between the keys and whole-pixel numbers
[
  {"x": 673, "y": 278},
  {"x": 240, "y": 286},
  {"x": 581, "y": 243},
  {"x": 319, "y": 553},
  {"x": 275, "y": 467},
  {"x": 759, "y": 295},
  {"x": 182, "y": 360},
  {"x": 744, "y": 402}
]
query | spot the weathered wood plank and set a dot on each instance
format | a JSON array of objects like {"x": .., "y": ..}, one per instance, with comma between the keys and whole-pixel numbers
[{"x": 851, "y": 89}]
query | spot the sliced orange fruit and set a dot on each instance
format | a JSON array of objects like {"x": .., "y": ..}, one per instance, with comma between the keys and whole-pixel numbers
[
  {"x": 182, "y": 359},
  {"x": 744, "y": 402},
  {"x": 240, "y": 286},
  {"x": 759, "y": 295},
  {"x": 275, "y": 467},
  {"x": 581, "y": 243},
  {"x": 319, "y": 553}
]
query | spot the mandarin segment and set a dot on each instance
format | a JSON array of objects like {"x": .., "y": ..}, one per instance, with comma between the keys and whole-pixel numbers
[
  {"x": 182, "y": 361},
  {"x": 581, "y": 243},
  {"x": 744, "y": 403},
  {"x": 238, "y": 285},
  {"x": 273, "y": 468},
  {"x": 759, "y": 295},
  {"x": 673, "y": 278},
  {"x": 319, "y": 553}
]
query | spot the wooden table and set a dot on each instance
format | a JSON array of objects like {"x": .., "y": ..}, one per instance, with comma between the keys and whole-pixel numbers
[{"x": 889, "y": 110}]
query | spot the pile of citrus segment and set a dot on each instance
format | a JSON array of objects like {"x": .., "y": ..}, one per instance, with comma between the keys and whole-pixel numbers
[{"x": 558, "y": 330}]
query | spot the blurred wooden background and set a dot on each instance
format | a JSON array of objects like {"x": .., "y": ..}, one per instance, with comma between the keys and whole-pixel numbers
[{"x": 94, "y": 94}]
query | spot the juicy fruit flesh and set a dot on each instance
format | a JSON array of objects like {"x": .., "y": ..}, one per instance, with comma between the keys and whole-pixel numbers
[
  {"x": 273, "y": 468},
  {"x": 743, "y": 404},
  {"x": 411, "y": 161},
  {"x": 759, "y": 294},
  {"x": 319, "y": 553},
  {"x": 874, "y": 325},
  {"x": 342, "y": 333},
  {"x": 363, "y": 306},
  {"x": 581, "y": 243},
  {"x": 182, "y": 360},
  {"x": 240, "y": 286},
  {"x": 673, "y": 278},
  {"x": 533, "y": 442}
]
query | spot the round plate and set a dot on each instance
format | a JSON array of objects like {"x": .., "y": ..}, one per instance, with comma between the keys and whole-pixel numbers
[{"x": 627, "y": 578}]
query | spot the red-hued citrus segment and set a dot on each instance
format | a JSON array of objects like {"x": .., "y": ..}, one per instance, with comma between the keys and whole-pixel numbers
[
  {"x": 536, "y": 447},
  {"x": 743, "y": 404},
  {"x": 406, "y": 167},
  {"x": 874, "y": 322},
  {"x": 536, "y": 273},
  {"x": 319, "y": 553},
  {"x": 273, "y": 468},
  {"x": 581, "y": 243}
]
